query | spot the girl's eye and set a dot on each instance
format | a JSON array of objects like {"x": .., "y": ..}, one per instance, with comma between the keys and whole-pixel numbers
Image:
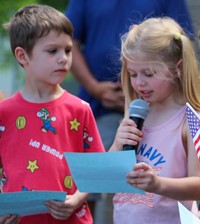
[
  {"x": 148, "y": 74},
  {"x": 132, "y": 74}
]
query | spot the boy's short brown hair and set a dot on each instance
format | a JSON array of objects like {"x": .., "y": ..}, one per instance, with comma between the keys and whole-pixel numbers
[{"x": 33, "y": 22}]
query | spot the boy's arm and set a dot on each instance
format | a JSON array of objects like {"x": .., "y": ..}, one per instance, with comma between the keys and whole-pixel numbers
[
  {"x": 63, "y": 210},
  {"x": 80, "y": 197}
]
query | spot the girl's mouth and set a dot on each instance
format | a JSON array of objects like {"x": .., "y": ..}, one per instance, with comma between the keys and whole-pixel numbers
[{"x": 145, "y": 93}]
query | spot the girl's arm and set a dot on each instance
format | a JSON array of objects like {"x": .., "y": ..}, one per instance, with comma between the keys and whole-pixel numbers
[{"x": 187, "y": 188}]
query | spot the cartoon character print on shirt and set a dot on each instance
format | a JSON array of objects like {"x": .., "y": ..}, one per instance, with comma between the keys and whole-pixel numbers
[
  {"x": 86, "y": 139},
  {"x": 74, "y": 124},
  {"x": 32, "y": 166},
  {"x": 3, "y": 178},
  {"x": 26, "y": 189},
  {"x": 20, "y": 122},
  {"x": 2, "y": 128},
  {"x": 43, "y": 114},
  {"x": 68, "y": 182},
  {"x": 151, "y": 156}
]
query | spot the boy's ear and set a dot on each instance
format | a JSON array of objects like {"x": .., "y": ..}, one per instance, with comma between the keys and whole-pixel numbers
[{"x": 21, "y": 55}]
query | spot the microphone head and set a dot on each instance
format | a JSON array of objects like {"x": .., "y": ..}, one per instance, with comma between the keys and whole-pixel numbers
[{"x": 138, "y": 108}]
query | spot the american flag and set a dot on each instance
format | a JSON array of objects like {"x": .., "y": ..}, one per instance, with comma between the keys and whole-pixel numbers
[{"x": 194, "y": 125}]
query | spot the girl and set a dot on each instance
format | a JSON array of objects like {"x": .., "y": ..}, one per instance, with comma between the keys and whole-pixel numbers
[{"x": 159, "y": 66}]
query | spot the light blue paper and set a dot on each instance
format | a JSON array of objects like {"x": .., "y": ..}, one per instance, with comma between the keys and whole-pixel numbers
[
  {"x": 28, "y": 202},
  {"x": 186, "y": 216},
  {"x": 102, "y": 172}
]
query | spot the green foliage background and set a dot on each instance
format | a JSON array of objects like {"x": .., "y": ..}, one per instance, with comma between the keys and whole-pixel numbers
[{"x": 8, "y": 7}]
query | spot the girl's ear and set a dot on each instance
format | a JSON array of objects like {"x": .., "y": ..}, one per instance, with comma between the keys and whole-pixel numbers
[
  {"x": 21, "y": 55},
  {"x": 179, "y": 64}
]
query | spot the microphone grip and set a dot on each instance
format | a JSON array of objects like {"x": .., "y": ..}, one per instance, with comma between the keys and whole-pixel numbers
[{"x": 139, "y": 122}]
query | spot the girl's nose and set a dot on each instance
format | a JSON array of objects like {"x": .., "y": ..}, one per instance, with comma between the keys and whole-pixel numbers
[{"x": 140, "y": 81}]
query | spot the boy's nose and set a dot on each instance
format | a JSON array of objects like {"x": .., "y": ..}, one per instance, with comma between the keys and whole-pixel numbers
[{"x": 62, "y": 60}]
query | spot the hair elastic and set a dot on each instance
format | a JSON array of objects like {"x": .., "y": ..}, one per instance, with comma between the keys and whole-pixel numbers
[
  {"x": 177, "y": 36},
  {"x": 133, "y": 26}
]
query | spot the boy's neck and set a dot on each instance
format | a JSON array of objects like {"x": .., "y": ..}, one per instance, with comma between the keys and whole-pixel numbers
[{"x": 43, "y": 96}]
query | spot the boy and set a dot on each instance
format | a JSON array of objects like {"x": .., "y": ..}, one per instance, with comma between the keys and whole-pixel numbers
[{"x": 42, "y": 120}]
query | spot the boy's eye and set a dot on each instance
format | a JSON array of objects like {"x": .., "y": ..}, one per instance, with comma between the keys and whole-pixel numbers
[
  {"x": 67, "y": 51},
  {"x": 52, "y": 51}
]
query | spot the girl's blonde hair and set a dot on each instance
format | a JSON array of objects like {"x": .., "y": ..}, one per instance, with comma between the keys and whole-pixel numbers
[{"x": 162, "y": 40}]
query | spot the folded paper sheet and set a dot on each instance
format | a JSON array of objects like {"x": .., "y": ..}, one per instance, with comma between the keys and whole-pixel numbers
[
  {"x": 28, "y": 202},
  {"x": 186, "y": 216},
  {"x": 102, "y": 172}
]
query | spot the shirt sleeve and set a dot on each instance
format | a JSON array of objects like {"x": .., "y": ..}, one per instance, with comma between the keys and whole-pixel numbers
[{"x": 91, "y": 138}]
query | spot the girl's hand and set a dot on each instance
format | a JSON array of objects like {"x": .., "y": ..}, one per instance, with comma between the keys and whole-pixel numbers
[
  {"x": 9, "y": 219},
  {"x": 63, "y": 210},
  {"x": 144, "y": 177},
  {"x": 127, "y": 134}
]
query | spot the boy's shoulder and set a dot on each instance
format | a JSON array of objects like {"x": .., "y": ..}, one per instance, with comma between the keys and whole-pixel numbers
[
  {"x": 75, "y": 105},
  {"x": 8, "y": 100},
  {"x": 75, "y": 99}
]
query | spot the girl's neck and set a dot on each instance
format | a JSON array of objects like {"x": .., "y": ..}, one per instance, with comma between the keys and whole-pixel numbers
[{"x": 160, "y": 112}]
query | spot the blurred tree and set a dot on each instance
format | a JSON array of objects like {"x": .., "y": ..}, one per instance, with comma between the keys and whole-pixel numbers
[
  {"x": 8, "y": 7},
  {"x": 59, "y": 5}
]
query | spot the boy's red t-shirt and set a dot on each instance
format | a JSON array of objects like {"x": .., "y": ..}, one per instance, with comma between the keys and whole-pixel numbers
[{"x": 33, "y": 138}]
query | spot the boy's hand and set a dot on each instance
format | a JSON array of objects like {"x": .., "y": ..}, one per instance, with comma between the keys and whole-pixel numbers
[
  {"x": 9, "y": 219},
  {"x": 63, "y": 210}
]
